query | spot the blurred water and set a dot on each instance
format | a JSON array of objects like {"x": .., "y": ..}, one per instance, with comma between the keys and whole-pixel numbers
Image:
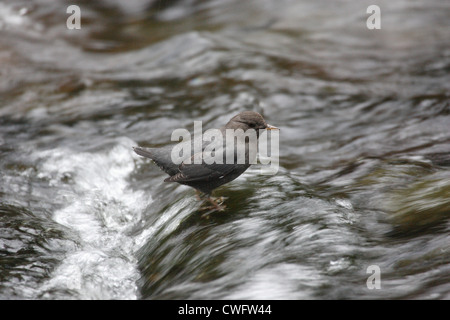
[{"x": 364, "y": 149}]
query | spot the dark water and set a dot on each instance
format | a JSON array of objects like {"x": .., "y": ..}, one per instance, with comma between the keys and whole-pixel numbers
[{"x": 364, "y": 173}]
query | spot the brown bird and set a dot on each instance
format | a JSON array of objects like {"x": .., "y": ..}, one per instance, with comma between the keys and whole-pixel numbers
[{"x": 206, "y": 177}]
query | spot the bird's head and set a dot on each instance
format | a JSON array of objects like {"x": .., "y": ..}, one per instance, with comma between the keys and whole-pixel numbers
[{"x": 249, "y": 120}]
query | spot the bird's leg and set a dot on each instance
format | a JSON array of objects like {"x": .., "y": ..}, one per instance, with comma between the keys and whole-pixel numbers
[
  {"x": 217, "y": 203},
  {"x": 197, "y": 195}
]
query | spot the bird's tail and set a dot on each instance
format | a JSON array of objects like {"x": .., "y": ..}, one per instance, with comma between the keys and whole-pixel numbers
[{"x": 143, "y": 152}]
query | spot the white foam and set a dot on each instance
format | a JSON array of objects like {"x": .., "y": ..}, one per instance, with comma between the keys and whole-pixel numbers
[
  {"x": 11, "y": 17},
  {"x": 15, "y": 18},
  {"x": 100, "y": 207}
]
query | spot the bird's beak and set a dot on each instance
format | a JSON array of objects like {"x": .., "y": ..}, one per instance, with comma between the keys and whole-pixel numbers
[{"x": 270, "y": 127}]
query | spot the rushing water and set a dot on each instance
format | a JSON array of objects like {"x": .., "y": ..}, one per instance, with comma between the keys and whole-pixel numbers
[{"x": 364, "y": 176}]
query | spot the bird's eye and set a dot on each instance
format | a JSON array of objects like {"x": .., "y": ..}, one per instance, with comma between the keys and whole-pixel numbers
[{"x": 252, "y": 125}]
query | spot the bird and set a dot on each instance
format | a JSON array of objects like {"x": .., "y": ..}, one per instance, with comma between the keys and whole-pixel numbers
[{"x": 205, "y": 177}]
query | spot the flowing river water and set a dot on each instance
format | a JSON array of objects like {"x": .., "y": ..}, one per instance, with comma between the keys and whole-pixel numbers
[{"x": 364, "y": 176}]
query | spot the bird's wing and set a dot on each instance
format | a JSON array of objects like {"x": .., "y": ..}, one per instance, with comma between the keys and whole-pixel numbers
[{"x": 190, "y": 172}]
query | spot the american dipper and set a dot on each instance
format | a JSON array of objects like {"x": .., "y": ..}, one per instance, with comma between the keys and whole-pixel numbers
[{"x": 206, "y": 177}]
